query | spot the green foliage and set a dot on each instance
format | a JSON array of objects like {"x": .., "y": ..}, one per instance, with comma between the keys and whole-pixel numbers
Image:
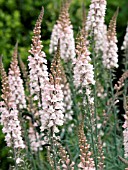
[{"x": 17, "y": 19}]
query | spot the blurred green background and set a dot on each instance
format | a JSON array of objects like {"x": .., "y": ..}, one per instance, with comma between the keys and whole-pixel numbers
[{"x": 17, "y": 20}]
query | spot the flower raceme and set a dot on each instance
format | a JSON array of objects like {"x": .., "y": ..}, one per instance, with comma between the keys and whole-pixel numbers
[
  {"x": 83, "y": 69},
  {"x": 16, "y": 83},
  {"x": 37, "y": 64},
  {"x": 125, "y": 42},
  {"x": 63, "y": 30},
  {"x": 110, "y": 56},
  {"x": 86, "y": 160},
  {"x": 52, "y": 113},
  {"x": 95, "y": 21},
  {"x": 9, "y": 115}
]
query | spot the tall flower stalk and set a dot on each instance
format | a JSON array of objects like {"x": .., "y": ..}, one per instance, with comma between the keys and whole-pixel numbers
[
  {"x": 63, "y": 30},
  {"x": 110, "y": 56},
  {"x": 95, "y": 21},
  {"x": 9, "y": 119},
  {"x": 125, "y": 42},
  {"x": 83, "y": 80},
  {"x": 52, "y": 114},
  {"x": 86, "y": 159},
  {"x": 110, "y": 62},
  {"x": 15, "y": 82},
  {"x": 118, "y": 87},
  {"x": 83, "y": 69},
  {"x": 53, "y": 107},
  {"x": 9, "y": 116},
  {"x": 125, "y": 60},
  {"x": 37, "y": 64}
]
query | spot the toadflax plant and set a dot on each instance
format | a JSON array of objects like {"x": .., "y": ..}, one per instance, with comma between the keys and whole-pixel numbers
[
  {"x": 63, "y": 30},
  {"x": 110, "y": 56},
  {"x": 16, "y": 83},
  {"x": 64, "y": 115},
  {"x": 83, "y": 69},
  {"x": 52, "y": 115},
  {"x": 9, "y": 117},
  {"x": 95, "y": 21},
  {"x": 37, "y": 64}
]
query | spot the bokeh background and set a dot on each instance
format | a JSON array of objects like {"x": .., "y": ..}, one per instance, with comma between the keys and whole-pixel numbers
[{"x": 17, "y": 20}]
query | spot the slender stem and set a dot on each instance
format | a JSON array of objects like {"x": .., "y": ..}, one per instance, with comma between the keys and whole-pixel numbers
[
  {"x": 94, "y": 60},
  {"x": 28, "y": 151},
  {"x": 115, "y": 116},
  {"x": 14, "y": 156},
  {"x": 68, "y": 69},
  {"x": 92, "y": 133}
]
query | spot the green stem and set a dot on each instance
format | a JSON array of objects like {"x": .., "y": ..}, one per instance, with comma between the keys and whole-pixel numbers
[
  {"x": 14, "y": 156},
  {"x": 68, "y": 69},
  {"x": 28, "y": 151},
  {"x": 92, "y": 134},
  {"x": 94, "y": 60},
  {"x": 115, "y": 116}
]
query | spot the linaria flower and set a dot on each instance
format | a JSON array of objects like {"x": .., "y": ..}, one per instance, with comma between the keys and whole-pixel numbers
[
  {"x": 125, "y": 42},
  {"x": 95, "y": 20},
  {"x": 64, "y": 158},
  {"x": 16, "y": 83},
  {"x": 86, "y": 160},
  {"x": 37, "y": 64},
  {"x": 110, "y": 56},
  {"x": 9, "y": 115},
  {"x": 125, "y": 135},
  {"x": 52, "y": 113},
  {"x": 102, "y": 43},
  {"x": 63, "y": 30},
  {"x": 19, "y": 160},
  {"x": 34, "y": 137},
  {"x": 83, "y": 69}
]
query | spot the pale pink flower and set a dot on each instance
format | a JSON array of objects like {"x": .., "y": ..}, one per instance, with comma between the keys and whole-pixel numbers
[
  {"x": 125, "y": 42},
  {"x": 95, "y": 20},
  {"x": 83, "y": 68},
  {"x": 52, "y": 114},
  {"x": 19, "y": 160},
  {"x": 35, "y": 139},
  {"x": 37, "y": 64},
  {"x": 81, "y": 166},
  {"x": 16, "y": 83},
  {"x": 63, "y": 30},
  {"x": 9, "y": 115},
  {"x": 110, "y": 56},
  {"x": 102, "y": 43},
  {"x": 125, "y": 135}
]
